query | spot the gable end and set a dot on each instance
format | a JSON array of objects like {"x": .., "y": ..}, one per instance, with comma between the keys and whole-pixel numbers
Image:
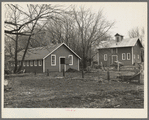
[{"x": 59, "y": 47}]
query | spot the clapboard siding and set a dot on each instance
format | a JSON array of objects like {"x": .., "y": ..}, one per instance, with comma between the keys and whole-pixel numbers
[{"x": 62, "y": 51}]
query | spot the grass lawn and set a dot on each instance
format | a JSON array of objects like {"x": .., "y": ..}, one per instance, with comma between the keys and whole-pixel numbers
[{"x": 41, "y": 91}]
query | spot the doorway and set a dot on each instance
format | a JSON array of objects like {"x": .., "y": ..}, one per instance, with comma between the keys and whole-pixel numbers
[
  {"x": 114, "y": 58},
  {"x": 62, "y": 64}
]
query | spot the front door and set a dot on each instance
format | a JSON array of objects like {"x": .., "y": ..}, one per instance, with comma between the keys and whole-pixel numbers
[
  {"x": 114, "y": 58},
  {"x": 62, "y": 65}
]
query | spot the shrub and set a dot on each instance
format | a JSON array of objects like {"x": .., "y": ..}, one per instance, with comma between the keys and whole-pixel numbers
[{"x": 97, "y": 66}]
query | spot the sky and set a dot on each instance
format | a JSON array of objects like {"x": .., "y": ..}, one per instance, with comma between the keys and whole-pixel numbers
[{"x": 127, "y": 15}]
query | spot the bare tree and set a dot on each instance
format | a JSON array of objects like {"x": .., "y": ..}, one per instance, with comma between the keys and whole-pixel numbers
[
  {"x": 91, "y": 28},
  {"x": 81, "y": 30},
  {"x": 137, "y": 32},
  {"x": 36, "y": 15}
]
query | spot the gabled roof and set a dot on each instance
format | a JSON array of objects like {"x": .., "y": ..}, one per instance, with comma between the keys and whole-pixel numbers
[
  {"x": 42, "y": 52},
  {"x": 124, "y": 43},
  {"x": 118, "y": 35}
]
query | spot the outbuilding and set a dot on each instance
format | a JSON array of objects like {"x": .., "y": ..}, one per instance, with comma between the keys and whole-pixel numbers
[
  {"x": 128, "y": 51},
  {"x": 52, "y": 57}
]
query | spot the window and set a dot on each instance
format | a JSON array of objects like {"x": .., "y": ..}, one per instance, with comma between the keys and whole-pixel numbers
[
  {"x": 18, "y": 63},
  {"x": 105, "y": 57},
  {"x": 116, "y": 50},
  {"x": 123, "y": 56},
  {"x": 117, "y": 38},
  {"x": 138, "y": 57},
  {"x": 134, "y": 56},
  {"x": 39, "y": 63},
  {"x": 35, "y": 63},
  {"x": 53, "y": 60},
  {"x": 12, "y": 64},
  {"x": 27, "y": 63},
  {"x": 70, "y": 59},
  {"x": 111, "y": 50},
  {"x": 24, "y": 63},
  {"x": 31, "y": 63},
  {"x": 128, "y": 56}
]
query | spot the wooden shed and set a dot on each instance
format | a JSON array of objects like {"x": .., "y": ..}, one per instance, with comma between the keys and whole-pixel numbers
[
  {"x": 126, "y": 51},
  {"x": 53, "y": 58}
]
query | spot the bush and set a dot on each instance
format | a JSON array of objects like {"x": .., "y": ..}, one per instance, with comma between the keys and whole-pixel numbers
[
  {"x": 97, "y": 66},
  {"x": 7, "y": 72},
  {"x": 71, "y": 70},
  {"x": 88, "y": 69}
]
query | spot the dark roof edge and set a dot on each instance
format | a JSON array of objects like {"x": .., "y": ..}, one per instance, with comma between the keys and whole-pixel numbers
[
  {"x": 114, "y": 47},
  {"x": 59, "y": 47}
]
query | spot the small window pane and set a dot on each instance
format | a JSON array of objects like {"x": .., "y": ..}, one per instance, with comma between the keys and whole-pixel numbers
[
  {"x": 35, "y": 63},
  {"x": 70, "y": 60},
  {"x": 39, "y": 62},
  {"x": 31, "y": 63},
  {"x": 53, "y": 60}
]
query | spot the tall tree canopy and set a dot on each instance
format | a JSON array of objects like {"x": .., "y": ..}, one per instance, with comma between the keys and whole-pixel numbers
[{"x": 40, "y": 25}]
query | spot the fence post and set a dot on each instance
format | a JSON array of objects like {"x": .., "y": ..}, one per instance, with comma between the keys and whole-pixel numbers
[
  {"x": 82, "y": 74},
  {"x": 118, "y": 66},
  {"x": 108, "y": 75},
  {"x": 35, "y": 72},
  {"x": 63, "y": 72},
  {"x": 47, "y": 72}
]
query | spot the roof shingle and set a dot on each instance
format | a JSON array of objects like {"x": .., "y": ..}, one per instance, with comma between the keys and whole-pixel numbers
[
  {"x": 40, "y": 52},
  {"x": 37, "y": 53},
  {"x": 124, "y": 43}
]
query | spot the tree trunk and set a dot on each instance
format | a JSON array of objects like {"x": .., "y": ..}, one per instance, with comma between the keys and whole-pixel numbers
[
  {"x": 16, "y": 56},
  {"x": 26, "y": 47}
]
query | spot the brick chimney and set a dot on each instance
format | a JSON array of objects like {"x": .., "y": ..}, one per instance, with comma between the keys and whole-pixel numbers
[{"x": 118, "y": 37}]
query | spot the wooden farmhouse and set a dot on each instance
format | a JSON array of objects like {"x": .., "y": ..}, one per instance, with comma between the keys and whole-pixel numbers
[
  {"x": 53, "y": 58},
  {"x": 127, "y": 51}
]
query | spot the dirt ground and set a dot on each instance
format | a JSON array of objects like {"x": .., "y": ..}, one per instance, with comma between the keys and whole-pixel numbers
[{"x": 54, "y": 91}]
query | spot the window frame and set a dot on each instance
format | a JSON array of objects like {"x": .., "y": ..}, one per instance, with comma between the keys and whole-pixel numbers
[
  {"x": 35, "y": 61},
  {"x": 31, "y": 61},
  {"x": 24, "y": 63},
  {"x": 127, "y": 56},
  {"x": 39, "y": 62},
  {"x": 54, "y": 60},
  {"x": 105, "y": 56},
  {"x": 138, "y": 56},
  {"x": 123, "y": 56},
  {"x": 27, "y": 63},
  {"x": 72, "y": 59}
]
